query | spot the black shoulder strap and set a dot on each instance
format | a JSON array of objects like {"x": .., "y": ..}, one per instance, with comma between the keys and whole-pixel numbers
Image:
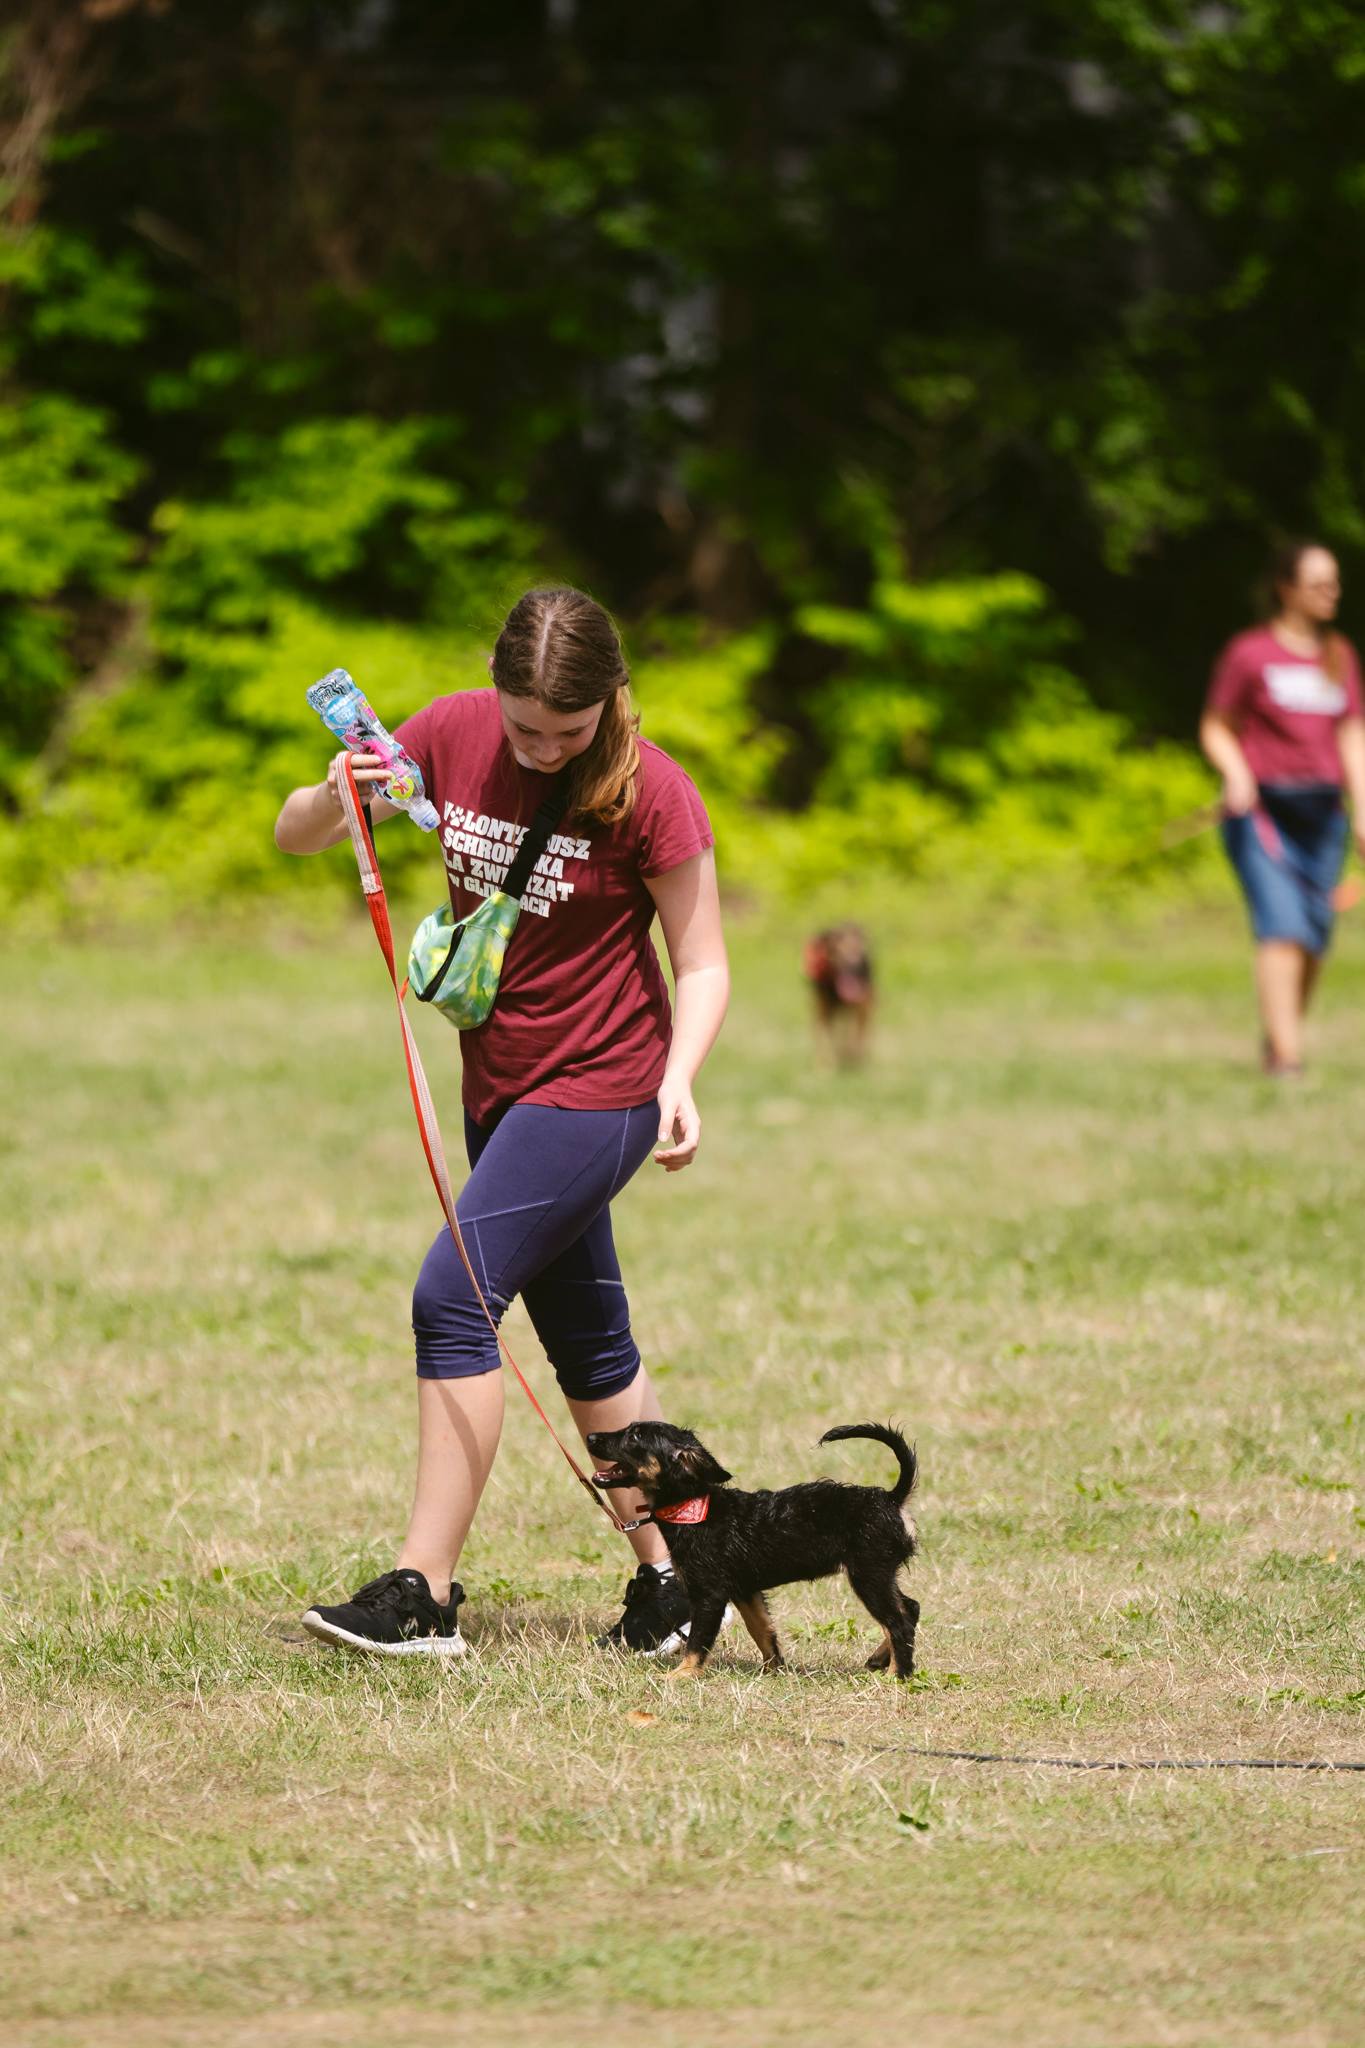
[
  {"x": 537, "y": 836},
  {"x": 518, "y": 875}
]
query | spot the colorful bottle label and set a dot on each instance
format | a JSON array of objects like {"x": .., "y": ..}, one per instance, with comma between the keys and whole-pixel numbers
[{"x": 350, "y": 717}]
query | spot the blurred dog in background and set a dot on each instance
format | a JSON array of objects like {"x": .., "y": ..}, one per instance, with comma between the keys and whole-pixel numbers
[{"x": 838, "y": 966}]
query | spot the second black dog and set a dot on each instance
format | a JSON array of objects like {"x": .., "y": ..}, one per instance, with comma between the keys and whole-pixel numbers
[{"x": 733, "y": 1546}]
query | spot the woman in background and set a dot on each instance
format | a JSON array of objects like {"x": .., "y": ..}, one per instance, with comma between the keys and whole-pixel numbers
[{"x": 1283, "y": 726}]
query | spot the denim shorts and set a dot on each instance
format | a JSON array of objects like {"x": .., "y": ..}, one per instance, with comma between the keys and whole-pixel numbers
[{"x": 1288, "y": 854}]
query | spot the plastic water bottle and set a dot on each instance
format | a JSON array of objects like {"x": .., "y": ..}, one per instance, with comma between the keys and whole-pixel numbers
[{"x": 349, "y": 716}]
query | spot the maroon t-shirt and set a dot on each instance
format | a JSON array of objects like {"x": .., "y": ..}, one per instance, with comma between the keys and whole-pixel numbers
[
  {"x": 582, "y": 1019},
  {"x": 1284, "y": 707}
]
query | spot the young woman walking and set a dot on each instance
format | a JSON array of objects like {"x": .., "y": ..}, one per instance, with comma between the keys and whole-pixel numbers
[
  {"x": 575, "y": 1077},
  {"x": 1283, "y": 726}
]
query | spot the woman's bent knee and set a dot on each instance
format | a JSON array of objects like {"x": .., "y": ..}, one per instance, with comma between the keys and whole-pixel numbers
[
  {"x": 449, "y": 1328},
  {"x": 595, "y": 1377}
]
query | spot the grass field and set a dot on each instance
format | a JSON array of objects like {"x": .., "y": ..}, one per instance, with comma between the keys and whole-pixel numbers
[{"x": 1108, "y": 1278}]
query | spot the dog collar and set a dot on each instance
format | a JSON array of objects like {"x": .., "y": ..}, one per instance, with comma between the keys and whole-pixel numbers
[{"x": 694, "y": 1510}]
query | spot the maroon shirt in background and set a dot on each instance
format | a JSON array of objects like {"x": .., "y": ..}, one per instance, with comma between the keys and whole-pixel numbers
[
  {"x": 1284, "y": 707},
  {"x": 582, "y": 1019}
]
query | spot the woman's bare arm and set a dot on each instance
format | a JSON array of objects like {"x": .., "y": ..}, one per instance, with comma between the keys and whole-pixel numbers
[
  {"x": 1223, "y": 751},
  {"x": 1351, "y": 740},
  {"x": 689, "y": 911},
  {"x": 312, "y": 819}
]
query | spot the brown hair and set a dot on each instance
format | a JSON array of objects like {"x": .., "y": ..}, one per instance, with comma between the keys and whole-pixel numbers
[
  {"x": 1284, "y": 568},
  {"x": 562, "y": 648}
]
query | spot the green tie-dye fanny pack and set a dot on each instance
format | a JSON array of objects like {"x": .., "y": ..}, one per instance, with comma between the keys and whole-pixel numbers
[{"x": 457, "y": 967}]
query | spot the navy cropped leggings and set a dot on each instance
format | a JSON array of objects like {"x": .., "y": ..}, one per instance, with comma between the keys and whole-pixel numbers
[{"x": 535, "y": 1218}]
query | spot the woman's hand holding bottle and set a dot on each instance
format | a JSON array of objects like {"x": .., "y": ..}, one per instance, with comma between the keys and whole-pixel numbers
[{"x": 368, "y": 770}]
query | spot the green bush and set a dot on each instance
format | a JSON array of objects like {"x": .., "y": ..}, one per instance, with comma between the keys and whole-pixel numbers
[
  {"x": 61, "y": 480},
  {"x": 324, "y": 542},
  {"x": 959, "y": 751},
  {"x": 954, "y": 751}
]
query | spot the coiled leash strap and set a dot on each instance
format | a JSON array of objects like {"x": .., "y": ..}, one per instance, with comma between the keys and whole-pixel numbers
[
  {"x": 1109, "y": 1763},
  {"x": 430, "y": 1131}
]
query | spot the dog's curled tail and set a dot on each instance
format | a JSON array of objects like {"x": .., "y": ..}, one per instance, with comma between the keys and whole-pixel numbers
[{"x": 882, "y": 1433}]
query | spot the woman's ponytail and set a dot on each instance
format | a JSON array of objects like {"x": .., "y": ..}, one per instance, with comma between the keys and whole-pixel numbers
[{"x": 605, "y": 776}]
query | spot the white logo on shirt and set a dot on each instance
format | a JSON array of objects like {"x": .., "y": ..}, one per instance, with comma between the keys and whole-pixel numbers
[
  {"x": 479, "y": 850},
  {"x": 1299, "y": 686}
]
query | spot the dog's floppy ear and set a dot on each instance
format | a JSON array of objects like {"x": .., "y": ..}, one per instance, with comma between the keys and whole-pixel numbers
[{"x": 698, "y": 1464}]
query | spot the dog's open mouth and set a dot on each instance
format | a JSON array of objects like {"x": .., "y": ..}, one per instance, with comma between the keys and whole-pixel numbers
[{"x": 611, "y": 1475}]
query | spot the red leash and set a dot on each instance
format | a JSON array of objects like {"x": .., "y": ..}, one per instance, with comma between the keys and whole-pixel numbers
[{"x": 430, "y": 1131}]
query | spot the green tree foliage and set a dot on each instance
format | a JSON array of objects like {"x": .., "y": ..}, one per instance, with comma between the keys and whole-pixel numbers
[
  {"x": 846, "y": 346},
  {"x": 61, "y": 479}
]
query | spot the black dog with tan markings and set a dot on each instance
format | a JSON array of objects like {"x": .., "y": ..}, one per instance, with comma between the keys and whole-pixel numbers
[{"x": 732, "y": 1546}]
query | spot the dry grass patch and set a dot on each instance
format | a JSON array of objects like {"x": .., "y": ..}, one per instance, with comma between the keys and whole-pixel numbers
[{"x": 1104, "y": 1274}]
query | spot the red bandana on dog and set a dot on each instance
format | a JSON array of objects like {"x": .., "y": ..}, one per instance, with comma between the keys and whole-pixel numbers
[{"x": 695, "y": 1510}]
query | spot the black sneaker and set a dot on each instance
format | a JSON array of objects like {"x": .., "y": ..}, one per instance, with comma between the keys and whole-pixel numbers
[
  {"x": 392, "y": 1617},
  {"x": 656, "y": 1618}
]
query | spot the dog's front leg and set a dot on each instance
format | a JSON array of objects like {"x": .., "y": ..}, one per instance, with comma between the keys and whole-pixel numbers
[
  {"x": 707, "y": 1617},
  {"x": 759, "y": 1623}
]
